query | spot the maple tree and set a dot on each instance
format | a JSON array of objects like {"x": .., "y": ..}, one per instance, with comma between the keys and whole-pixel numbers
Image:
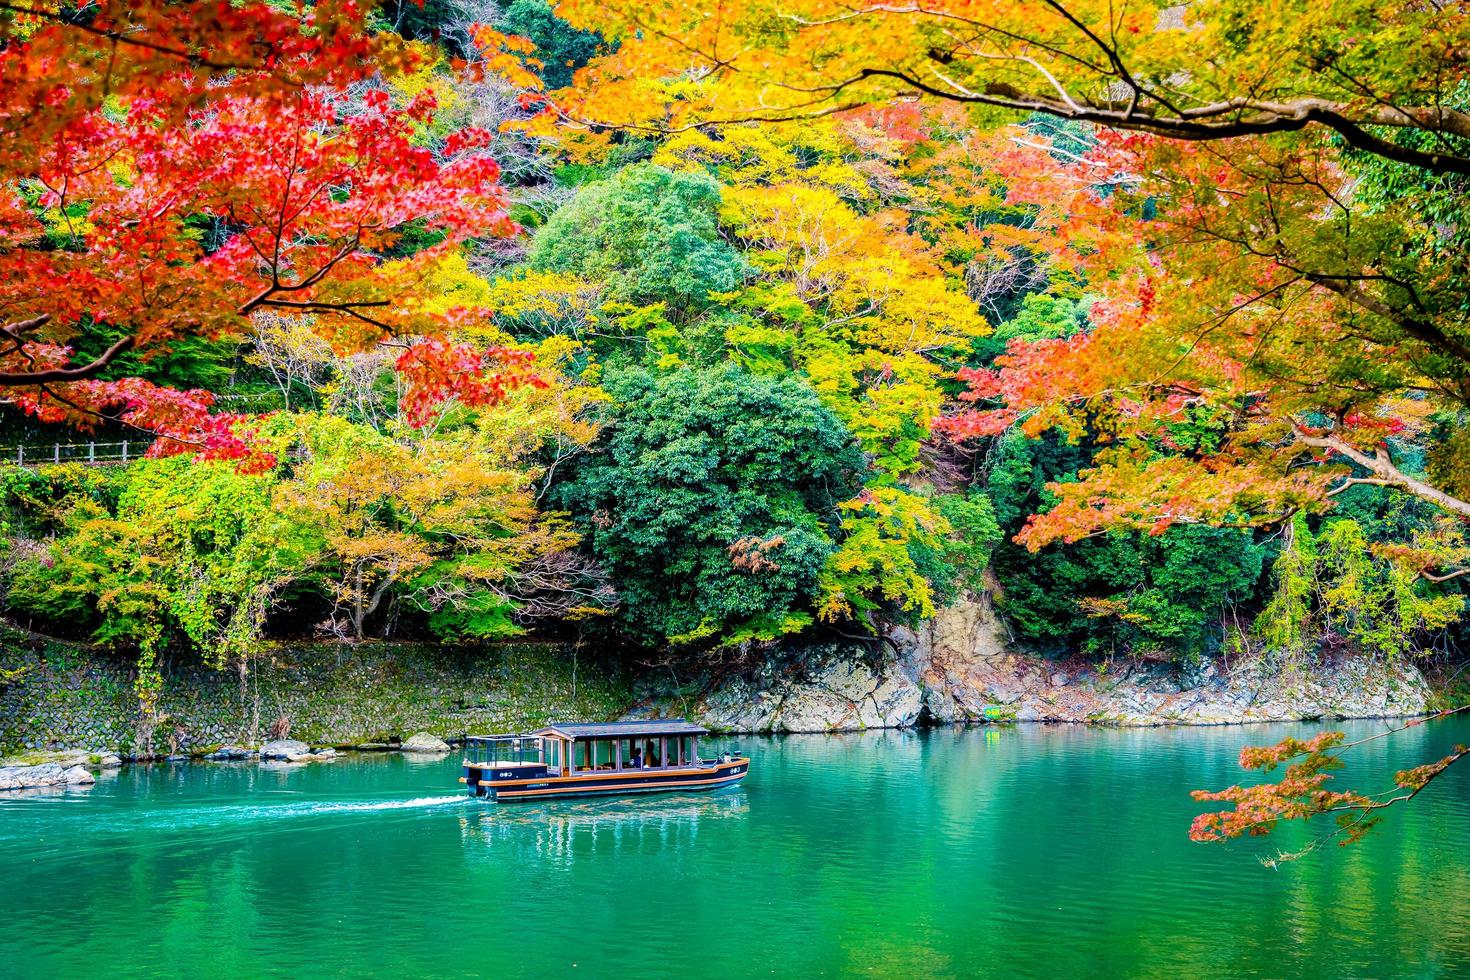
[
  {"x": 1304, "y": 384},
  {"x": 196, "y": 164},
  {"x": 1208, "y": 71},
  {"x": 1303, "y": 792}
]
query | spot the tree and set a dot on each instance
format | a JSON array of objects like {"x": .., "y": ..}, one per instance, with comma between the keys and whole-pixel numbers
[
  {"x": 847, "y": 295},
  {"x": 1304, "y": 791},
  {"x": 713, "y": 502},
  {"x": 428, "y": 521},
  {"x": 1308, "y": 390},
  {"x": 648, "y": 234},
  {"x": 184, "y": 176},
  {"x": 560, "y": 47},
  {"x": 1223, "y": 69},
  {"x": 170, "y": 548}
]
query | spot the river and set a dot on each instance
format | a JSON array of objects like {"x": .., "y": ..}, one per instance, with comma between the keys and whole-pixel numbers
[{"x": 1012, "y": 851}]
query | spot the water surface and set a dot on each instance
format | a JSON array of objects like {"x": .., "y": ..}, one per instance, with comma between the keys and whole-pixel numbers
[{"x": 1025, "y": 851}]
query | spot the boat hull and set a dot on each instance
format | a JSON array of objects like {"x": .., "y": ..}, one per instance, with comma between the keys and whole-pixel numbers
[{"x": 504, "y": 785}]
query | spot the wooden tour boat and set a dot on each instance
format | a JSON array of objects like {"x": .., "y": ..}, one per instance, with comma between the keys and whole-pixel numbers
[{"x": 596, "y": 760}]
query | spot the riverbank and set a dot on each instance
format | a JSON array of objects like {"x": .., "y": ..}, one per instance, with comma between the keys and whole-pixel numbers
[
  {"x": 341, "y": 696},
  {"x": 960, "y": 668},
  {"x": 963, "y": 668}
]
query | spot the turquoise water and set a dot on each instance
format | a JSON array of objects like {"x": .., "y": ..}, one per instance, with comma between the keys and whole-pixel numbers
[{"x": 1025, "y": 851}]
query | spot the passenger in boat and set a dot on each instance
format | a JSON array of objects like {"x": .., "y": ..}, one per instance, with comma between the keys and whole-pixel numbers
[{"x": 636, "y": 761}]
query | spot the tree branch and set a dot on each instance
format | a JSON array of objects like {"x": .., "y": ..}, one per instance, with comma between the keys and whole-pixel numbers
[
  {"x": 1381, "y": 467},
  {"x": 17, "y": 379},
  {"x": 1216, "y": 121}
]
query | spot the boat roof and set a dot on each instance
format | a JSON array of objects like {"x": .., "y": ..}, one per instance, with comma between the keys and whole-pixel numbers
[{"x": 622, "y": 729}]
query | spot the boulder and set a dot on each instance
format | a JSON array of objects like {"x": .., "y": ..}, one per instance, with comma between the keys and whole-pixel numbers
[
  {"x": 284, "y": 748},
  {"x": 21, "y": 777},
  {"x": 66, "y": 758},
  {"x": 424, "y": 742},
  {"x": 46, "y": 774},
  {"x": 324, "y": 755},
  {"x": 78, "y": 776},
  {"x": 109, "y": 761},
  {"x": 231, "y": 753}
]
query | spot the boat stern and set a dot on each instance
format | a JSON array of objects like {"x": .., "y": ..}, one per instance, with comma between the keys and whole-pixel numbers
[{"x": 480, "y": 777}]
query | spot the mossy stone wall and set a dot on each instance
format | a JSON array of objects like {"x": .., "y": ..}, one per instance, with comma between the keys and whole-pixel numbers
[{"x": 70, "y": 696}]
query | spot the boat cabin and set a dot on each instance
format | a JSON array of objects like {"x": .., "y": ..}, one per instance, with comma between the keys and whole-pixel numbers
[{"x": 572, "y": 759}]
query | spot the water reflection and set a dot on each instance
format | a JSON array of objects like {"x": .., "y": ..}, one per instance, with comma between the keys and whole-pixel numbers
[{"x": 594, "y": 827}]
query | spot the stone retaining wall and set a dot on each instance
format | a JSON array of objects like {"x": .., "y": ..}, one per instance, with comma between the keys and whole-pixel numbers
[{"x": 331, "y": 694}]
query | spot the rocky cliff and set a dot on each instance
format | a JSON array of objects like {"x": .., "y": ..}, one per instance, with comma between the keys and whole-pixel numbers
[{"x": 962, "y": 667}]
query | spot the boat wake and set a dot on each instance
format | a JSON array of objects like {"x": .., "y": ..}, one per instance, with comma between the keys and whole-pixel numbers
[
  {"x": 414, "y": 804},
  {"x": 321, "y": 808},
  {"x": 212, "y": 824}
]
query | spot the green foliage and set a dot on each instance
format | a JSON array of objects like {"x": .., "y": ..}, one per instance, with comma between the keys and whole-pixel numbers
[
  {"x": 560, "y": 47},
  {"x": 879, "y": 568},
  {"x": 1335, "y": 584},
  {"x": 1285, "y": 623},
  {"x": 1117, "y": 593},
  {"x": 713, "y": 502},
  {"x": 648, "y": 234},
  {"x": 186, "y": 362},
  {"x": 965, "y": 553},
  {"x": 195, "y": 549},
  {"x": 1194, "y": 573},
  {"x": 1041, "y": 316}
]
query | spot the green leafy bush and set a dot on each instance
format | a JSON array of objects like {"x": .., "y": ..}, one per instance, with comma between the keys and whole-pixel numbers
[{"x": 712, "y": 501}]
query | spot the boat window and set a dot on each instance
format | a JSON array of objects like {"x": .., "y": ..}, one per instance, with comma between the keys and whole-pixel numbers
[
  {"x": 579, "y": 755},
  {"x": 602, "y": 753},
  {"x": 553, "y": 754}
]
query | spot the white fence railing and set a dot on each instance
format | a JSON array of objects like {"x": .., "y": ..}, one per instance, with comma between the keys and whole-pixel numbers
[{"x": 86, "y": 453}]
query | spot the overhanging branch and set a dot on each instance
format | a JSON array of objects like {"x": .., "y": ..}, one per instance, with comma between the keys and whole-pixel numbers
[{"x": 1384, "y": 470}]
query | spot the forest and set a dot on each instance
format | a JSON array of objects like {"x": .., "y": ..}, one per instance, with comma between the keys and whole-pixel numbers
[{"x": 699, "y": 335}]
